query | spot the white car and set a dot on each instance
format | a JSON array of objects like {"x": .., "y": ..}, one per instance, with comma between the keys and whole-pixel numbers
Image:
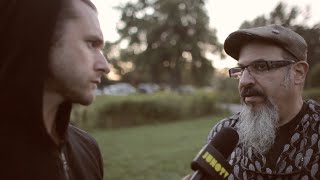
[{"x": 120, "y": 89}]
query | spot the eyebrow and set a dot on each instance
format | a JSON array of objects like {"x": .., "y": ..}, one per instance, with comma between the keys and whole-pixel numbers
[
  {"x": 89, "y": 3},
  {"x": 256, "y": 60}
]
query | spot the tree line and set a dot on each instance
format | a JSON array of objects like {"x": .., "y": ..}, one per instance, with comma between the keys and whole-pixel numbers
[{"x": 169, "y": 41}]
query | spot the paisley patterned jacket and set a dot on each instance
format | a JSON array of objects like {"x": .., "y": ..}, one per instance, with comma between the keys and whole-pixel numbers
[{"x": 299, "y": 159}]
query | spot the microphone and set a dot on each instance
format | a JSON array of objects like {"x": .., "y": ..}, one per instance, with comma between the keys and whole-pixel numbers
[{"x": 210, "y": 162}]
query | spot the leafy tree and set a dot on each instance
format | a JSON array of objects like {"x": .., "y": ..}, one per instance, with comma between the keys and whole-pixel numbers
[
  {"x": 278, "y": 16},
  {"x": 167, "y": 42},
  {"x": 289, "y": 19}
]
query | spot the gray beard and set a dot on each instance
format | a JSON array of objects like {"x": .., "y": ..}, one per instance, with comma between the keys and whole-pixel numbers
[{"x": 257, "y": 129}]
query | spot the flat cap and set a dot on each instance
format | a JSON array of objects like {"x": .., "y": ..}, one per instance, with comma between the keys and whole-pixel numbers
[{"x": 284, "y": 37}]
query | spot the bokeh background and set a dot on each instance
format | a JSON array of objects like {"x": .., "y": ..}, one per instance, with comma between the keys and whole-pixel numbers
[{"x": 169, "y": 84}]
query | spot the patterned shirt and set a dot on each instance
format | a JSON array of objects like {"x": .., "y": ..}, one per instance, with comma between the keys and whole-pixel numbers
[{"x": 297, "y": 158}]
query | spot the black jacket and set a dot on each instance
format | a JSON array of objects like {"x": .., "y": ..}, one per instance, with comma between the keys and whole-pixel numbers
[
  {"x": 27, "y": 152},
  {"x": 78, "y": 158},
  {"x": 82, "y": 155}
]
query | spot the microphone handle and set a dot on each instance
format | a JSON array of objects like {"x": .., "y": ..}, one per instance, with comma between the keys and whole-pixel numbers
[{"x": 197, "y": 176}]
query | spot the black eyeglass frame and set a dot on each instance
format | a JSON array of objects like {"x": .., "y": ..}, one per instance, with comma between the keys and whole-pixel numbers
[{"x": 270, "y": 64}]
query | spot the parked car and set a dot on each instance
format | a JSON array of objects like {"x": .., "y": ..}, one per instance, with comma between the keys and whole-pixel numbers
[
  {"x": 148, "y": 88},
  {"x": 185, "y": 89},
  {"x": 120, "y": 89}
]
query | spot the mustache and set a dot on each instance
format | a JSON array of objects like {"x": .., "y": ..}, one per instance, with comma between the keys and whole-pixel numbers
[{"x": 247, "y": 92}]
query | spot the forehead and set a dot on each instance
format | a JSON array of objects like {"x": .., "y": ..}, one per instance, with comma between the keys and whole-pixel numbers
[
  {"x": 259, "y": 50},
  {"x": 86, "y": 18}
]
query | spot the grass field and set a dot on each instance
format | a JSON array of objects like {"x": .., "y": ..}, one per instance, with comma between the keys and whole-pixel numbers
[{"x": 153, "y": 152}]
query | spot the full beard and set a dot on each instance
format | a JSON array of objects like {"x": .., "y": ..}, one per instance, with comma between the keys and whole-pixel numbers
[{"x": 257, "y": 128}]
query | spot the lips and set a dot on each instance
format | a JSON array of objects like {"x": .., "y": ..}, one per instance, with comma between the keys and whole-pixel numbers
[{"x": 97, "y": 81}]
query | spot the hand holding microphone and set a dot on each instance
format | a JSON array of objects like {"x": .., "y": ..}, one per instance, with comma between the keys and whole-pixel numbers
[{"x": 211, "y": 163}]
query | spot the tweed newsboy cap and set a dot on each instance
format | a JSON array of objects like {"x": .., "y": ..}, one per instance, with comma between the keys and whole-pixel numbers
[{"x": 284, "y": 37}]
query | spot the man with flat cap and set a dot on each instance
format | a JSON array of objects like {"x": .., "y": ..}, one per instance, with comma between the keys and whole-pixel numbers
[{"x": 278, "y": 130}]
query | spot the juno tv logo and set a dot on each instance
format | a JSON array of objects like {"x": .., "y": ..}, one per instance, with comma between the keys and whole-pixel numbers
[{"x": 216, "y": 166}]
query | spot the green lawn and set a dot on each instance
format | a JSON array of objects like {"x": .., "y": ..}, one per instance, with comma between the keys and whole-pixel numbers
[{"x": 153, "y": 152}]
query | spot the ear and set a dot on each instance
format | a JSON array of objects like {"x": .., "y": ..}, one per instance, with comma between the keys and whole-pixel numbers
[{"x": 301, "y": 69}]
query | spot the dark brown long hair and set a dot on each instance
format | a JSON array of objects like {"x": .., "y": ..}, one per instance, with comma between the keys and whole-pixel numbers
[{"x": 26, "y": 32}]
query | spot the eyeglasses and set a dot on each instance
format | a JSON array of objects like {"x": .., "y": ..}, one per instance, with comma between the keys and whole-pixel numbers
[{"x": 258, "y": 67}]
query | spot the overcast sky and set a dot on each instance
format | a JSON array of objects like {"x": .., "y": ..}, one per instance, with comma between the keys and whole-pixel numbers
[{"x": 225, "y": 15}]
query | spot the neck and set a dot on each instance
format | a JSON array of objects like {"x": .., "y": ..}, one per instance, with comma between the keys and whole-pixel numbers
[
  {"x": 51, "y": 102},
  {"x": 289, "y": 111}
]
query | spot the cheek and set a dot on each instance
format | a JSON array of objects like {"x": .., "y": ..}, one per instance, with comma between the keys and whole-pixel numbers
[
  {"x": 73, "y": 63},
  {"x": 278, "y": 88},
  {"x": 66, "y": 71}
]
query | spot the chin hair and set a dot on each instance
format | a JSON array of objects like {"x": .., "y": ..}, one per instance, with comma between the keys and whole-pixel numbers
[
  {"x": 84, "y": 100},
  {"x": 85, "y": 103},
  {"x": 257, "y": 128}
]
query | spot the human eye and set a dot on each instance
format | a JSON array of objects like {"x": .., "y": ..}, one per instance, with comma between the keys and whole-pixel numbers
[
  {"x": 235, "y": 72},
  {"x": 92, "y": 44},
  {"x": 259, "y": 66}
]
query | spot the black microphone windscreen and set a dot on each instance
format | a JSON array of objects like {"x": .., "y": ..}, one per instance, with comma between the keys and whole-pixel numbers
[{"x": 225, "y": 141}]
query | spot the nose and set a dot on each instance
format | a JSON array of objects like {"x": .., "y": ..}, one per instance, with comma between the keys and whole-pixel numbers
[
  {"x": 246, "y": 79},
  {"x": 102, "y": 64}
]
